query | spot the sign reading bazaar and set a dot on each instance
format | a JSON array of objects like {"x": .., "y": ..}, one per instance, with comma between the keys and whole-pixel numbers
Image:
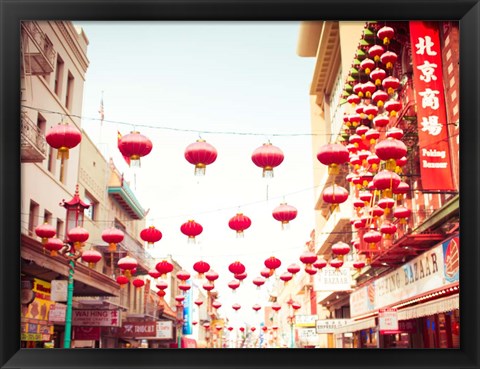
[{"x": 433, "y": 269}]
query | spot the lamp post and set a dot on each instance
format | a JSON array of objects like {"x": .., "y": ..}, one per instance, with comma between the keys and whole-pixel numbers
[
  {"x": 291, "y": 321},
  {"x": 179, "y": 324},
  {"x": 72, "y": 250}
]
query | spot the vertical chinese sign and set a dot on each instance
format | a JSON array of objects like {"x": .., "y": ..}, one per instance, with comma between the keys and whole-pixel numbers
[{"x": 435, "y": 164}]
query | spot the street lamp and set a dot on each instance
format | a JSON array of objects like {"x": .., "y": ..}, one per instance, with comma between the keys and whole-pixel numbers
[
  {"x": 291, "y": 321},
  {"x": 74, "y": 237}
]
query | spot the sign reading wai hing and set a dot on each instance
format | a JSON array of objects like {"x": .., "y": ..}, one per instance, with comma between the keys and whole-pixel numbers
[
  {"x": 332, "y": 279},
  {"x": 95, "y": 318},
  {"x": 435, "y": 165},
  {"x": 388, "y": 321},
  {"x": 330, "y": 325}
]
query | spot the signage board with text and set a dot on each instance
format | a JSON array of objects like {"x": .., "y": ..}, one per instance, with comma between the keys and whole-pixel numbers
[
  {"x": 138, "y": 329},
  {"x": 330, "y": 325},
  {"x": 95, "y": 318},
  {"x": 333, "y": 279},
  {"x": 305, "y": 320},
  {"x": 388, "y": 321}
]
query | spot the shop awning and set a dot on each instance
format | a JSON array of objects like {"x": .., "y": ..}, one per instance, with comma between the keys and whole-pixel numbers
[
  {"x": 357, "y": 326},
  {"x": 429, "y": 308}
]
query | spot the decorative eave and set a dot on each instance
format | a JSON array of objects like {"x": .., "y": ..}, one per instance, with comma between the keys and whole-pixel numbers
[{"x": 127, "y": 200}]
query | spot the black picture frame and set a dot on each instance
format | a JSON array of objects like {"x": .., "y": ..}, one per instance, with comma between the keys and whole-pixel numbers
[{"x": 12, "y": 12}]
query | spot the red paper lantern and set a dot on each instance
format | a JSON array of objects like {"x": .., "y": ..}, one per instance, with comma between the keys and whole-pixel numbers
[
  {"x": 183, "y": 275},
  {"x": 91, "y": 257},
  {"x": 381, "y": 121},
  {"x": 358, "y": 264},
  {"x": 242, "y": 329},
  {"x": 394, "y": 132},
  {"x": 285, "y": 277},
  {"x": 372, "y": 136},
  {"x": 372, "y": 237},
  {"x": 134, "y": 146},
  {"x": 272, "y": 263},
  {"x": 239, "y": 223},
  {"x": 208, "y": 286},
  {"x": 333, "y": 155},
  {"x": 336, "y": 263},
  {"x": 355, "y": 161},
  {"x": 240, "y": 276},
  {"x": 276, "y": 307},
  {"x": 377, "y": 76},
  {"x": 354, "y": 119},
  {"x": 390, "y": 84},
  {"x": 45, "y": 231},
  {"x": 367, "y": 65},
  {"x": 373, "y": 160},
  {"x": 236, "y": 307},
  {"x": 402, "y": 213},
  {"x": 127, "y": 265},
  {"x": 216, "y": 304},
  {"x": 386, "y": 204},
  {"x": 161, "y": 293},
  {"x": 179, "y": 298},
  {"x": 375, "y": 51},
  {"x": 162, "y": 285},
  {"x": 234, "y": 284},
  {"x": 296, "y": 306},
  {"x": 77, "y": 236},
  {"x": 293, "y": 268},
  {"x": 54, "y": 245},
  {"x": 122, "y": 280},
  {"x": 377, "y": 211},
  {"x": 164, "y": 267},
  {"x": 154, "y": 273},
  {"x": 259, "y": 281},
  {"x": 388, "y": 229},
  {"x": 138, "y": 283},
  {"x": 358, "y": 89},
  {"x": 256, "y": 307},
  {"x": 402, "y": 189},
  {"x": 191, "y": 229},
  {"x": 320, "y": 263},
  {"x": 366, "y": 197},
  {"x": 198, "y": 302},
  {"x": 308, "y": 258},
  {"x": 201, "y": 267},
  {"x": 361, "y": 130},
  {"x": 370, "y": 111},
  {"x": 284, "y": 213},
  {"x": 184, "y": 287},
  {"x": 390, "y": 150},
  {"x": 236, "y": 267},
  {"x": 200, "y": 154},
  {"x": 353, "y": 99},
  {"x": 388, "y": 58},
  {"x": 386, "y": 181},
  {"x": 112, "y": 236},
  {"x": 253, "y": 329},
  {"x": 340, "y": 249},
  {"x": 393, "y": 107},
  {"x": 385, "y": 34},
  {"x": 264, "y": 328},
  {"x": 63, "y": 137},
  {"x": 151, "y": 235},
  {"x": 267, "y": 157},
  {"x": 266, "y": 273},
  {"x": 379, "y": 98},
  {"x": 310, "y": 270},
  {"x": 211, "y": 275},
  {"x": 368, "y": 89},
  {"x": 334, "y": 195}
]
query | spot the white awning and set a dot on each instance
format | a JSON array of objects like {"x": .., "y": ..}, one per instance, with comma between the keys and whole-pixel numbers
[
  {"x": 357, "y": 326},
  {"x": 429, "y": 308}
]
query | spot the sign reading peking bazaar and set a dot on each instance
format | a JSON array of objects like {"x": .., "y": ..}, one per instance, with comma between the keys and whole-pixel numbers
[{"x": 435, "y": 165}]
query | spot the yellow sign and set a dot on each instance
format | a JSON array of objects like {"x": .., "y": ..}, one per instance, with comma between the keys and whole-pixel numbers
[
  {"x": 42, "y": 287},
  {"x": 35, "y": 337}
]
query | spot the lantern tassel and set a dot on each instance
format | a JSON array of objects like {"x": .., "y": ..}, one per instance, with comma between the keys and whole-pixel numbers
[
  {"x": 53, "y": 253},
  {"x": 112, "y": 247},
  {"x": 62, "y": 153}
]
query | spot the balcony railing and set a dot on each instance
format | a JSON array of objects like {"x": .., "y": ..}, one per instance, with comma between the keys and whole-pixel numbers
[
  {"x": 38, "y": 52},
  {"x": 33, "y": 143}
]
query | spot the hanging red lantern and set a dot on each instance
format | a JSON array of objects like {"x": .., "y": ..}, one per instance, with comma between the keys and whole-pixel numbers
[
  {"x": 293, "y": 268},
  {"x": 376, "y": 212},
  {"x": 320, "y": 263},
  {"x": 77, "y": 236},
  {"x": 366, "y": 197},
  {"x": 91, "y": 257},
  {"x": 390, "y": 150},
  {"x": 183, "y": 275},
  {"x": 198, "y": 302},
  {"x": 211, "y": 275},
  {"x": 340, "y": 249},
  {"x": 134, "y": 146},
  {"x": 393, "y": 107},
  {"x": 402, "y": 189},
  {"x": 236, "y": 267},
  {"x": 127, "y": 265},
  {"x": 122, "y": 280},
  {"x": 353, "y": 99},
  {"x": 151, "y": 235},
  {"x": 161, "y": 293},
  {"x": 63, "y": 137},
  {"x": 358, "y": 204},
  {"x": 216, "y": 304},
  {"x": 390, "y": 84},
  {"x": 265, "y": 328},
  {"x": 184, "y": 287},
  {"x": 367, "y": 65},
  {"x": 310, "y": 270},
  {"x": 335, "y": 195},
  {"x": 379, "y": 98},
  {"x": 358, "y": 264},
  {"x": 253, "y": 329},
  {"x": 365, "y": 178},
  {"x": 234, "y": 284},
  {"x": 162, "y": 285},
  {"x": 164, "y": 267},
  {"x": 266, "y": 273},
  {"x": 256, "y": 307},
  {"x": 368, "y": 89},
  {"x": 208, "y": 286},
  {"x": 296, "y": 306},
  {"x": 333, "y": 155},
  {"x": 375, "y": 51},
  {"x": 138, "y": 283},
  {"x": 354, "y": 119},
  {"x": 112, "y": 236},
  {"x": 267, "y": 157},
  {"x": 355, "y": 161},
  {"x": 402, "y": 213},
  {"x": 154, "y": 273},
  {"x": 361, "y": 130},
  {"x": 54, "y": 245},
  {"x": 201, "y": 267},
  {"x": 358, "y": 89},
  {"x": 355, "y": 139},
  {"x": 236, "y": 307},
  {"x": 370, "y": 111},
  {"x": 259, "y": 281},
  {"x": 377, "y": 76},
  {"x": 386, "y": 181},
  {"x": 284, "y": 213},
  {"x": 373, "y": 160},
  {"x": 179, "y": 298},
  {"x": 388, "y": 58},
  {"x": 388, "y": 229},
  {"x": 239, "y": 223},
  {"x": 241, "y": 329},
  {"x": 272, "y": 263},
  {"x": 381, "y": 121},
  {"x": 336, "y": 263},
  {"x": 285, "y": 277},
  {"x": 45, "y": 231},
  {"x": 386, "y": 204},
  {"x": 308, "y": 258},
  {"x": 191, "y": 229},
  {"x": 206, "y": 325},
  {"x": 276, "y": 307},
  {"x": 385, "y": 34},
  {"x": 194, "y": 322},
  {"x": 240, "y": 276},
  {"x": 394, "y": 132},
  {"x": 200, "y": 154},
  {"x": 372, "y": 237},
  {"x": 372, "y": 136}
]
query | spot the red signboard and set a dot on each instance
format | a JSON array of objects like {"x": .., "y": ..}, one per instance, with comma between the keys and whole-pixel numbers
[
  {"x": 387, "y": 321},
  {"x": 435, "y": 164},
  {"x": 138, "y": 329},
  {"x": 86, "y": 333}
]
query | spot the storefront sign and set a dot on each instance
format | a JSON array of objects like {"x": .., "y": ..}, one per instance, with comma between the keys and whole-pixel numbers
[
  {"x": 362, "y": 301},
  {"x": 305, "y": 320},
  {"x": 388, "y": 321},
  {"x": 435, "y": 165},
  {"x": 138, "y": 329},
  {"x": 330, "y": 325},
  {"x": 451, "y": 259},
  {"x": 86, "y": 333},
  {"x": 57, "y": 313},
  {"x": 96, "y": 318},
  {"x": 307, "y": 333},
  {"x": 164, "y": 330},
  {"x": 422, "y": 274},
  {"x": 59, "y": 290},
  {"x": 34, "y": 337},
  {"x": 332, "y": 279},
  {"x": 187, "y": 312}
]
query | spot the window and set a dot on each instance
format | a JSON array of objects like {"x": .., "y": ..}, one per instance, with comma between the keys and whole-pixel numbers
[
  {"x": 41, "y": 123},
  {"x": 47, "y": 217},
  {"x": 52, "y": 153},
  {"x": 33, "y": 217},
  {"x": 63, "y": 170},
  {"x": 90, "y": 212},
  {"x": 69, "y": 95},
  {"x": 59, "y": 76},
  {"x": 60, "y": 228}
]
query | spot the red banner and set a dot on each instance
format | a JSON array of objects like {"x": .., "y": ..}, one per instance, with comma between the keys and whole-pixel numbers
[
  {"x": 435, "y": 164},
  {"x": 86, "y": 333}
]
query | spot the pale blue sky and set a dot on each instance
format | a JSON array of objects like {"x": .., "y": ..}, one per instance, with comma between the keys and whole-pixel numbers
[{"x": 223, "y": 76}]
